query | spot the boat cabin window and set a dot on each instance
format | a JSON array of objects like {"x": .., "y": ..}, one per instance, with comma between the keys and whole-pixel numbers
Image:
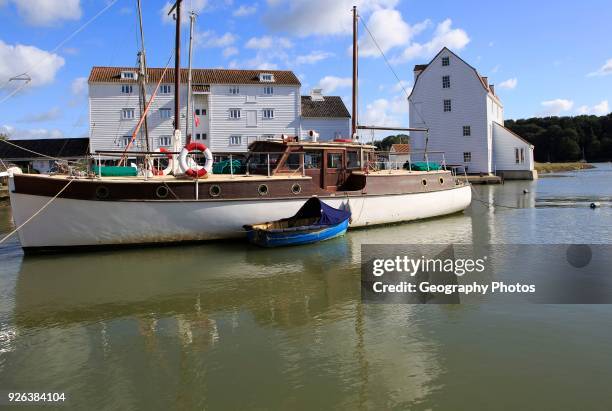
[
  {"x": 293, "y": 161},
  {"x": 312, "y": 160},
  {"x": 352, "y": 159},
  {"x": 334, "y": 160}
]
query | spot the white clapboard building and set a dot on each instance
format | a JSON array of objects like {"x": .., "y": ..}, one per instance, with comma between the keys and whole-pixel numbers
[
  {"x": 230, "y": 108},
  {"x": 465, "y": 118}
]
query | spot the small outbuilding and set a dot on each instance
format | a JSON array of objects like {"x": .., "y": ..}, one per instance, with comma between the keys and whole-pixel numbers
[{"x": 34, "y": 155}]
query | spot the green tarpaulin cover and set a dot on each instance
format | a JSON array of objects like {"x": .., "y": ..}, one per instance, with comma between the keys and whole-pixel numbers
[
  {"x": 115, "y": 171},
  {"x": 423, "y": 166}
]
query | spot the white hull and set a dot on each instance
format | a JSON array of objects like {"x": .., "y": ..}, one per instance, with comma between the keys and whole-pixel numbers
[{"x": 69, "y": 222}]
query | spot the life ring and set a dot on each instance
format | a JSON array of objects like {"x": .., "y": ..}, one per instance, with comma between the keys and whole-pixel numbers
[
  {"x": 161, "y": 172},
  {"x": 195, "y": 171}
]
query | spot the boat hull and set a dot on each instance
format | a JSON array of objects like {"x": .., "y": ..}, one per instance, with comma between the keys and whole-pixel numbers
[
  {"x": 70, "y": 222},
  {"x": 265, "y": 238}
]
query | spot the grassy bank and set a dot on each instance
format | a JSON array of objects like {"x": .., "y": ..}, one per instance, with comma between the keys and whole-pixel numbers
[{"x": 558, "y": 167}]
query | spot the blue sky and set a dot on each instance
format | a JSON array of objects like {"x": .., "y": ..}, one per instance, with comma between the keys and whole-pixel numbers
[{"x": 544, "y": 57}]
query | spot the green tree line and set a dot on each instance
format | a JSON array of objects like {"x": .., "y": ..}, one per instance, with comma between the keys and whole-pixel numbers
[{"x": 558, "y": 139}]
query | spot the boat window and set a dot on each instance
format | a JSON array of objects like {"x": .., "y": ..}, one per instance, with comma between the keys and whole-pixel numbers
[
  {"x": 312, "y": 160},
  {"x": 293, "y": 161},
  {"x": 352, "y": 159},
  {"x": 334, "y": 160}
]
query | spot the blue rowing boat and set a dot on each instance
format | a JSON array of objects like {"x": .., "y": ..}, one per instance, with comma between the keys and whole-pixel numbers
[{"x": 315, "y": 221}]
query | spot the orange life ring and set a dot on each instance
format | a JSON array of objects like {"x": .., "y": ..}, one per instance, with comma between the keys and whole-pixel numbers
[{"x": 198, "y": 171}]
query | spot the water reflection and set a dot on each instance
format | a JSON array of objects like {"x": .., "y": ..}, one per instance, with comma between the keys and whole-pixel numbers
[{"x": 202, "y": 321}]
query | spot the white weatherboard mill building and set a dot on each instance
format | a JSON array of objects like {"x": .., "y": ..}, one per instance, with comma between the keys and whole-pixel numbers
[
  {"x": 465, "y": 118},
  {"x": 230, "y": 108}
]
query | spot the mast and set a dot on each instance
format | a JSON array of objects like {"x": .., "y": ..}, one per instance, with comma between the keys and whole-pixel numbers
[
  {"x": 177, "y": 67},
  {"x": 192, "y": 16},
  {"x": 355, "y": 73},
  {"x": 142, "y": 76}
]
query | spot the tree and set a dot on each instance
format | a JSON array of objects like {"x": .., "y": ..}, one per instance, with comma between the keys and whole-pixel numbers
[
  {"x": 386, "y": 143},
  {"x": 4, "y": 136}
]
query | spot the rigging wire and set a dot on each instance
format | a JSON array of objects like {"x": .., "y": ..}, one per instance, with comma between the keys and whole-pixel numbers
[
  {"x": 61, "y": 44},
  {"x": 384, "y": 57}
]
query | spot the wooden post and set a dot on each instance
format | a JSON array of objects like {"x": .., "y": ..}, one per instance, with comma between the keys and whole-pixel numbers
[{"x": 355, "y": 74}]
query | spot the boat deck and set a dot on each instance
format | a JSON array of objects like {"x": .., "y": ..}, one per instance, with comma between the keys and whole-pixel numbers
[{"x": 169, "y": 178}]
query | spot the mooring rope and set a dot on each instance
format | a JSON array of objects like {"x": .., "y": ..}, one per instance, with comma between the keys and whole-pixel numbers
[{"x": 6, "y": 237}]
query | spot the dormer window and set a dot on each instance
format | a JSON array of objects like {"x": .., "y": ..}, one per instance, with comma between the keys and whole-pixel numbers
[
  {"x": 267, "y": 77},
  {"x": 128, "y": 75},
  {"x": 446, "y": 61}
]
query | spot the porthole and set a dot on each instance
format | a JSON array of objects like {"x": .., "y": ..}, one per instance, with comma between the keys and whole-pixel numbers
[
  {"x": 424, "y": 182},
  {"x": 162, "y": 192},
  {"x": 102, "y": 192},
  {"x": 296, "y": 188},
  {"x": 262, "y": 190},
  {"x": 441, "y": 181},
  {"x": 214, "y": 190}
]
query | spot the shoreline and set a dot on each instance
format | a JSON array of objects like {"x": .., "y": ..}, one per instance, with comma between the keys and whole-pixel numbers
[{"x": 545, "y": 168}]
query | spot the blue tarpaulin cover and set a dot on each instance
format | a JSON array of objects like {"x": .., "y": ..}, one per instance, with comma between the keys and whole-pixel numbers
[{"x": 327, "y": 215}]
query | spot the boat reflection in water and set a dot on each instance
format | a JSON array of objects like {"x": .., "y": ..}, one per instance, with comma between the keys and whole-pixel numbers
[{"x": 191, "y": 326}]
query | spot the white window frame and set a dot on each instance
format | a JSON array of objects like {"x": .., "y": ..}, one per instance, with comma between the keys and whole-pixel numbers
[
  {"x": 266, "y": 77},
  {"x": 234, "y": 90},
  {"x": 200, "y": 136},
  {"x": 467, "y": 131},
  {"x": 268, "y": 90},
  {"x": 126, "y": 89},
  {"x": 446, "y": 82},
  {"x": 165, "y": 89},
  {"x": 125, "y": 140},
  {"x": 165, "y": 110},
  {"x": 450, "y": 105},
  {"x": 234, "y": 113},
  {"x": 445, "y": 61},
  {"x": 127, "y": 113},
  {"x": 467, "y": 156},
  {"x": 128, "y": 75},
  {"x": 519, "y": 155},
  {"x": 163, "y": 139},
  {"x": 267, "y": 114},
  {"x": 235, "y": 140}
]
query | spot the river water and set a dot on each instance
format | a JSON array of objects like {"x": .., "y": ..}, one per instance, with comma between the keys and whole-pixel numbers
[{"x": 230, "y": 326}]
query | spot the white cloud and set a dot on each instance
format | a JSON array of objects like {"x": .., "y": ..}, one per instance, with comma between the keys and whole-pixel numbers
[
  {"x": 266, "y": 42},
  {"x": 604, "y": 70},
  {"x": 79, "y": 86},
  {"x": 330, "y": 83},
  {"x": 47, "y": 12},
  {"x": 495, "y": 69},
  {"x": 245, "y": 10},
  {"x": 49, "y": 115},
  {"x": 313, "y": 57},
  {"x": 404, "y": 84},
  {"x": 40, "y": 65},
  {"x": 230, "y": 51},
  {"x": 444, "y": 36},
  {"x": 197, "y": 6},
  {"x": 35, "y": 133},
  {"x": 384, "y": 112},
  {"x": 600, "y": 109},
  {"x": 318, "y": 17},
  {"x": 209, "y": 39},
  {"x": 556, "y": 107},
  {"x": 390, "y": 30},
  {"x": 509, "y": 84}
]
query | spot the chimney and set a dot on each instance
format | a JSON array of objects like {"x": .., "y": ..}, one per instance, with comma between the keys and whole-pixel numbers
[
  {"x": 418, "y": 69},
  {"x": 492, "y": 87},
  {"x": 486, "y": 81},
  {"x": 316, "y": 94}
]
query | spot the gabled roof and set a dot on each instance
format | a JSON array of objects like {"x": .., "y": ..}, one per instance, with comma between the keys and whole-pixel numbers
[
  {"x": 330, "y": 106},
  {"x": 199, "y": 76},
  {"x": 423, "y": 67},
  {"x": 400, "y": 148},
  {"x": 513, "y": 133},
  {"x": 52, "y": 147}
]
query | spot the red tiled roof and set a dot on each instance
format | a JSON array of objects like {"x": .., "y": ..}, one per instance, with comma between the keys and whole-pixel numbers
[
  {"x": 199, "y": 76},
  {"x": 400, "y": 148}
]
